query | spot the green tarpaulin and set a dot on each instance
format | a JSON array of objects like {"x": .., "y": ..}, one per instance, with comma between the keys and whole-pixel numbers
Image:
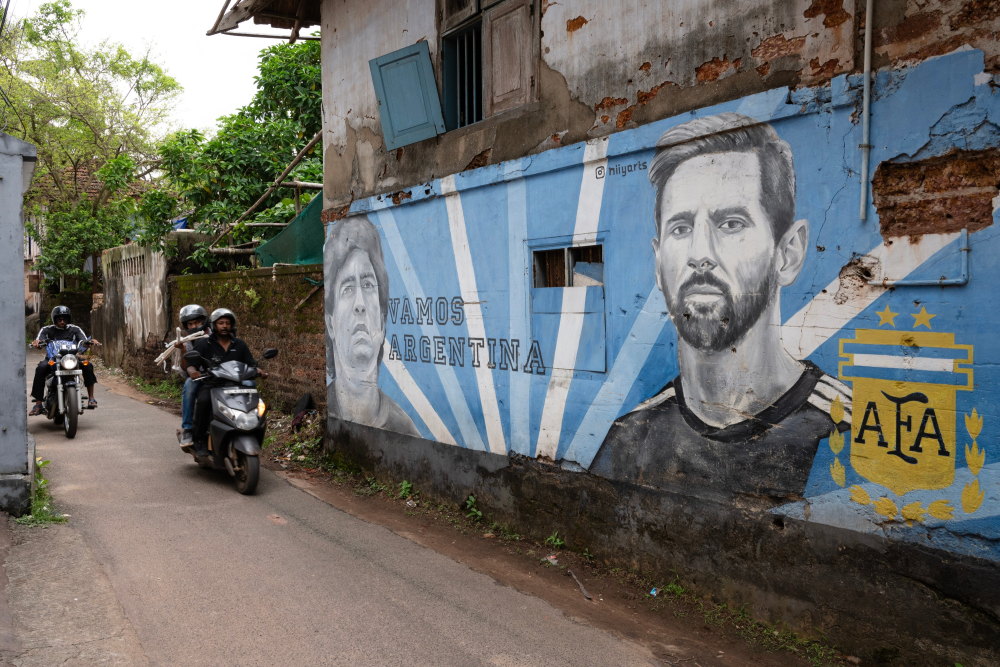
[{"x": 301, "y": 242}]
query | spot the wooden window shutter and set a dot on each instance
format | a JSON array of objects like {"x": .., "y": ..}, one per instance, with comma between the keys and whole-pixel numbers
[
  {"x": 507, "y": 56},
  {"x": 456, "y": 11},
  {"x": 407, "y": 95}
]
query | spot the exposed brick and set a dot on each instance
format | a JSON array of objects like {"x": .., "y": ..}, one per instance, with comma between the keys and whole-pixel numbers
[
  {"x": 825, "y": 70},
  {"x": 715, "y": 68},
  {"x": 609, "y": 102},
  {"x": 778, "y": 46},
  {"x": 975, "y": 12},
  {"x": 832, "y": 10},
  {"x": 938, "y": 195},
  {"x": 273, "y": 321},
  {"x": 573, "y": 25},
  {"x": 400, "y": 197},
  {"x": 481, "y": 160},
  {"x": 913, "y": 27}
]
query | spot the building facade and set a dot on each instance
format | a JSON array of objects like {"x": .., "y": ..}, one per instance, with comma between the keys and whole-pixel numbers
[{"x": 614, "y": 268}]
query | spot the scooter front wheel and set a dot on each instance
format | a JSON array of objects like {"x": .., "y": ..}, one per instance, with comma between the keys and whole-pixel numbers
[{"x": 248, "y": 474}]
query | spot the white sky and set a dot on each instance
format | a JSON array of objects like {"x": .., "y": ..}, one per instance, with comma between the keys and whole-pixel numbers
[{"x": 216, "y": 72}]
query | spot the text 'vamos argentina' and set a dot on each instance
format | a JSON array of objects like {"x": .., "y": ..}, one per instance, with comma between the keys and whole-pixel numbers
[{"x": 502, "y": 353}]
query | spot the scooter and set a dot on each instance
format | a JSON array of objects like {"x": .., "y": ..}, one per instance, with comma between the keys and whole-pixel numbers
[
  {"x": 64, "y": 401},
  {"x": 239, "y": 420}
]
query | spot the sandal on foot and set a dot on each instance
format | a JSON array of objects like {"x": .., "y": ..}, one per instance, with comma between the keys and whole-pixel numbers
[
  {"x": 35, "y": 411},
  {"x": 92, "y": 404}
]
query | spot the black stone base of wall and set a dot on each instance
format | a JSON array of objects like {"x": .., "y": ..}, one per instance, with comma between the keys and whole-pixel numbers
[{"x": 885, "y": 601}]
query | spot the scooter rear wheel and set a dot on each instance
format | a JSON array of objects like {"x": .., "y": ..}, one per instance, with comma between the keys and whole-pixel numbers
[{"x": 249, "y": 473}]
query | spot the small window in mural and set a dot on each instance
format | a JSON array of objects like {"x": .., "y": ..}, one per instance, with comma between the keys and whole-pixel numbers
[{"x": 582, "y": 266}]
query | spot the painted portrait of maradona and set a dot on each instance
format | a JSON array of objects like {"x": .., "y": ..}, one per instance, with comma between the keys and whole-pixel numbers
[
  {"x": 743, "y": 416},
  {"x": 357, "y": 298}
]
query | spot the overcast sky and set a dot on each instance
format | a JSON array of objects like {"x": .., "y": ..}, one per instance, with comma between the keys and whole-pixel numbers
[{"x": 216, "y": 72}]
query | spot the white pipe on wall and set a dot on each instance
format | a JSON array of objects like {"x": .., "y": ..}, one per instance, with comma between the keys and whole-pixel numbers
[{"x": 866, "y": 110}]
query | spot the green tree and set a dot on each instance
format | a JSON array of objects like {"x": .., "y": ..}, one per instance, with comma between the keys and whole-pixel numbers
[
  {"x": 96, "y": 115},
  {"x": 221, "y": 176}
]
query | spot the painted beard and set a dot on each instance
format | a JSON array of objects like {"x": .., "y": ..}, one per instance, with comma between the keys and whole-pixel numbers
[{"x": 718, "y": 326}]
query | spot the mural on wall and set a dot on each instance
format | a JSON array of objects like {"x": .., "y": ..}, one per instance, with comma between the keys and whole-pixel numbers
[
  {"x": 743, "y": 415},
  {"x": 693, "y": 305}
]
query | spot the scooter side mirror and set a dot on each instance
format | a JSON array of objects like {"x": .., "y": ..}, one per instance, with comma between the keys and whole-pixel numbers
[
  {"x": 193, "y": 357},
  {"x": 270, "y": 353}
]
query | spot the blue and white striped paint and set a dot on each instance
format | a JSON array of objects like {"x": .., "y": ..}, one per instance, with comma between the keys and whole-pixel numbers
[{"x": 471, "y": 235}]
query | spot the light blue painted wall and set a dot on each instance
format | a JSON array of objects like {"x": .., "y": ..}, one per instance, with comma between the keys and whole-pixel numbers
[{"x": 479, "y": 228}]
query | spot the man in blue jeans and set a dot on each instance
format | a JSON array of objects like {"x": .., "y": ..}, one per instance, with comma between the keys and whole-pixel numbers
[{"x": 193, "y": 318}]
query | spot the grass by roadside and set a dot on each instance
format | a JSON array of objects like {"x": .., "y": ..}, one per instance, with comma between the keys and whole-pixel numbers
[
  {"x": 167, "y": 389},
  {"x": 42, "y": 507}
]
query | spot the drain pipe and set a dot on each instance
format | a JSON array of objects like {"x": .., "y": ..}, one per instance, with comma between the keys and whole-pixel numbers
[{"x": 866, "y": 147}]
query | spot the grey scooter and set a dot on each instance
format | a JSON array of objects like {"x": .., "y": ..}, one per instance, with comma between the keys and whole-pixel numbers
[{"x": 239, "y": 420}]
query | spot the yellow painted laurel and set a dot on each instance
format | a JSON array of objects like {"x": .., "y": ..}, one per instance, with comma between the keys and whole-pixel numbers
[
  {"x": 972, "y": 497},
  {"x": 836, "y": 441},
  {"x": 837, "y": 410},
  {"x": 913, "y": 512},
  {"x": 975, "y": 457},
  {"x": 837, "y": 470},
  {"x": 940, "y": 509},
  {"x": 974, "y": 424},
  {"x": 860, "y": 496},
  {"x": 886, "y": 507}
]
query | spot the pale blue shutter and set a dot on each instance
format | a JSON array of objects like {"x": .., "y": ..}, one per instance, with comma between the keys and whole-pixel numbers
[{"x": 408, "y": 102}]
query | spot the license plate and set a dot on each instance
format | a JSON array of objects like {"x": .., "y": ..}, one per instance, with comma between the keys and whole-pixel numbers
[{"x": 239, "y": 391}]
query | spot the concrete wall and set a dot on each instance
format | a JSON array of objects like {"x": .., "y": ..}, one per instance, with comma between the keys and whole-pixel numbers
[
  {"x": 17, "y": 161},
  {"x": 133, "y": 318},
  {"x": 277, "y": 308},
  {"x": 740, "y": 393},
  {"x": 608, "y": 66}
]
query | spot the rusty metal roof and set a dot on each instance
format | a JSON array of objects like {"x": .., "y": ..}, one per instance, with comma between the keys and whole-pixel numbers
[{"x": 290, "y": 15}]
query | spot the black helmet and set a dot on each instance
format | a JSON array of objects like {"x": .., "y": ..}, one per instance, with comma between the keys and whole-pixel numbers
[
  {"x": 193, "y": 312},
  {"x": 218, "y": 314},
  {"x": 61, "y": 311}
]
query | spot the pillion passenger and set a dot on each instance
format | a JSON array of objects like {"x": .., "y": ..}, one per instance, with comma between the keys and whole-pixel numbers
[{"x": 193, "y": 318}]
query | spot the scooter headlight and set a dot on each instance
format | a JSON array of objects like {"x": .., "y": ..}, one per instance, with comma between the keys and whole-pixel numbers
[
  {"x": 246, "y": 421},
  {"x": 260, "y": 408},
  {"x": 69, "y": 362}
]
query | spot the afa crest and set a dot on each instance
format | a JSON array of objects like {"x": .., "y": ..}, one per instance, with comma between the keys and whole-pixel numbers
[{"x": 904, "y": 429}]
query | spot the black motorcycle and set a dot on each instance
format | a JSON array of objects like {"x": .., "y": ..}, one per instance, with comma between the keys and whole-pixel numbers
[
  {"x": 64, "y": 401},
  {"x": 239, "y": 419}
]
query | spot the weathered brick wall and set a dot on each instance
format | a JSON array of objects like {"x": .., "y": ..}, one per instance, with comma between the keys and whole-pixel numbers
[{"x": 277, "y": 308}]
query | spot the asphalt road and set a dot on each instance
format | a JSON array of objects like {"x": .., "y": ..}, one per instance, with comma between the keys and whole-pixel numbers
[{"x": 206, "y": 576}]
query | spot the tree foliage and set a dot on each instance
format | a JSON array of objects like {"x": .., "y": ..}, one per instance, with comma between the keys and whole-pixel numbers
[
  {"x": 221, "y": 176},
  {"x": 96, "y": 115}
]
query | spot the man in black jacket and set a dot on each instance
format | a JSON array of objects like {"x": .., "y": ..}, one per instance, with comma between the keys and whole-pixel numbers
[
  {"x": 221, "y": 346},
  {"x": 60, "y": 329}
]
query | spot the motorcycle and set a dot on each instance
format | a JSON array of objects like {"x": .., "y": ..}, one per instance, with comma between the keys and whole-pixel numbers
[
  {"x": 64, "y": 401},
  {"x": 239, "y": 420}
]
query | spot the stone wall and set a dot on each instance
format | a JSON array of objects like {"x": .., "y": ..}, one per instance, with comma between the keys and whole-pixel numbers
[{"x": 277, "y": 307}]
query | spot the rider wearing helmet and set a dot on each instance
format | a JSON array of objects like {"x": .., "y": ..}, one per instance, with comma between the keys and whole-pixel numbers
[
  {"x": 60, "y": 329},
  {"x": 193, "y": 318},
  {"x": 221, "y": 346}
]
